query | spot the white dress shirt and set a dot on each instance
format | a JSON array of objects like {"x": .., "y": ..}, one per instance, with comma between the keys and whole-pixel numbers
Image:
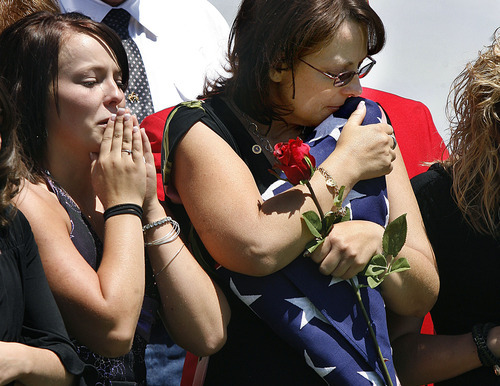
[{"x": 181, "y": 42}]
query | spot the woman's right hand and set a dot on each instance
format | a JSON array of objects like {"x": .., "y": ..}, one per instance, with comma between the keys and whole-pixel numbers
[
  {"x": 366, "y": 150},
  {"x": 119, "y": 171}
]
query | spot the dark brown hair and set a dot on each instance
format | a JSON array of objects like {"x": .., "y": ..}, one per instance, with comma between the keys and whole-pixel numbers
[
  {"x": 270, "y": 34},
  {"x": 29, "y": 63},
  {"x": 12, "y": 170}
]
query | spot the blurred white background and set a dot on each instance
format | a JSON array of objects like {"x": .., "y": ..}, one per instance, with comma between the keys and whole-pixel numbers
[{"x": 428, "y": 44}]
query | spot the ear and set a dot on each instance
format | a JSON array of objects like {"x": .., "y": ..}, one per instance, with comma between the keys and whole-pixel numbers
[{"x": 276, "y": 74}]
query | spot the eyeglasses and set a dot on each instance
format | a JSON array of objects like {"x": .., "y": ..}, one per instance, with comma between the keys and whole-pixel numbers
[{"x": 345, "y": 77}]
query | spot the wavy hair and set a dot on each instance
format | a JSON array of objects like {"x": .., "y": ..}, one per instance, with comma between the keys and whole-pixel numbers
[
  {"x": 274, "y": 34},
  {"x": 12, "y": 170},
  {"x": 475, "y": 140}
]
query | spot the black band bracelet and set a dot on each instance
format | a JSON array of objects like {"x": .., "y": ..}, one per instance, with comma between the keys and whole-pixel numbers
[
  {"x": 123, "y": 209},
  {"x": 480, "y": 336}
]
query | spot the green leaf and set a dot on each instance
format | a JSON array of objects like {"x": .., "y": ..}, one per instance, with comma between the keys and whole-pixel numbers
[
  {"x": 328, "y": 221},
  {"x": 374, "y": 270},
  {"x": 313, "y": 222},
  {"x": 312, "y": 245},
  {"x": 395, "y": 236},
  {"x": 379, "y": 260},
  {"x": 400, "y": 265},
  {"x": 373, "y": 281}
]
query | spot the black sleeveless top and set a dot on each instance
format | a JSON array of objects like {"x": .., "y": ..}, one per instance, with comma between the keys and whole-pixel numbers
[{"x": 129, "y": 369}]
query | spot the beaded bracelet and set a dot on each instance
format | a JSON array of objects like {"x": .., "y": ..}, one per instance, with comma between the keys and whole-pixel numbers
[
  {"x": 480, "y": 336},
  {"x": 169, "y": 237},
  {"x": 123, "y": 209},
  {"x": 156, "y": 223}
]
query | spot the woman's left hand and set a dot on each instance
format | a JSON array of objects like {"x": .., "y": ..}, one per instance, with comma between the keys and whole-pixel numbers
[
  {"x": 9, "y": 366},
  {"x": 28, "y": 365},
  {"x": 152, "y": 207},
  {"x": 348, "y": 248}
]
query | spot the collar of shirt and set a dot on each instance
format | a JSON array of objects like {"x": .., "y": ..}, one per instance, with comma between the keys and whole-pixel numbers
[{"x": 97, "y": 10}]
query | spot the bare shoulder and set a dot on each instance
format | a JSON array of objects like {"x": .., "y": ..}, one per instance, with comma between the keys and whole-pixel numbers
[{"x": 41, "y": 206}]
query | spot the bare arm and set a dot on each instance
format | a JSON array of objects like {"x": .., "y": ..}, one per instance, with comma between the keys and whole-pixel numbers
[
  {"x": 194, "y": 309},
  {"x": 100, "y": 309},
  {"x": 242, "y": 232},
  {"x": 422, "y": 359},
  {"x": 350, "y": 246},
  {"x": 31, "y": 366},
  {"x": 415, "y": 291}
]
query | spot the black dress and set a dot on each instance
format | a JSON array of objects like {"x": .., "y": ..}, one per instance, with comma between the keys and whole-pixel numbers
[
  {"x": 28, "y": 312},
  {"x": 468, "y": 265}
]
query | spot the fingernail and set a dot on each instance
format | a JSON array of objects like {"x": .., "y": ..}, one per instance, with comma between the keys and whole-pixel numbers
[
  {"x": 120, "y": 111},
  {"x": 135, "y": 129},
  {"x": 113, "y": 117},
  {"x": 360, "y": 105},
  {"x": 126, "y": 117}
]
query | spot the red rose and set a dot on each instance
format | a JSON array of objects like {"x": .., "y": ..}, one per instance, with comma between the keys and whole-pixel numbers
[{"x": 292, "y": 160}]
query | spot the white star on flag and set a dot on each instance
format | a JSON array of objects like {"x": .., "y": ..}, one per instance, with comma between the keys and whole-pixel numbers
[
  {"x": 336, "y": 280},
  {"x": 373, "y": 377},
  {"x": 309, "y": 311},
  {"x": 321, "y": 371},
  {"x": 247, "y": 299}
]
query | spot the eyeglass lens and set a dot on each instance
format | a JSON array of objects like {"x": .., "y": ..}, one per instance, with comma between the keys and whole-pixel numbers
[{"x": 345, "y": 77}]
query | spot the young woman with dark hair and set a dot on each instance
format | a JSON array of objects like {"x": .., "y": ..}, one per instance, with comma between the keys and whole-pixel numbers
[{"x": 91, "y": 177}]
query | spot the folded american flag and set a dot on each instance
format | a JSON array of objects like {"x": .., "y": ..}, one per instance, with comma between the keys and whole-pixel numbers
[{"x": 318, "y": 315}]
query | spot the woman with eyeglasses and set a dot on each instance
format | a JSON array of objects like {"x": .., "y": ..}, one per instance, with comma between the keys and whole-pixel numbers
[{"x": 292, "y": 64}]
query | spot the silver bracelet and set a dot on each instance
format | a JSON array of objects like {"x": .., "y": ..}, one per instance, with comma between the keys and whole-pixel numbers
[
  {"x": 170, "y": 262},
  {"x": 156, "y": 223},
  {"x": 169, "y": 237}
]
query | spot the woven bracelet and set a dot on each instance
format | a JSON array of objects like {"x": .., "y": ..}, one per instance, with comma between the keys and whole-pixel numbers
[
  {"x": 156, "y": 223},
  {"x": 480, "y": 335},
  {"x": 123, "y": 209},
  {"x": 169, "y": 237}
]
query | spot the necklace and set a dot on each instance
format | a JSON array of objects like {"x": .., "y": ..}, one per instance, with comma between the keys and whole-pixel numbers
[
  {"x": 257, "y": 149},
  {"x": 254, "y": 129}
]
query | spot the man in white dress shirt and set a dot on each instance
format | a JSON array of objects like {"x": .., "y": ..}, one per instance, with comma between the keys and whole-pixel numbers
[{"x": 180, "y": 42}]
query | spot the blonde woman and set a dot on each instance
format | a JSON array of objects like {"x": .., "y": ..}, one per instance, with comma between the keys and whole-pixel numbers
[{"x": 460, "y": 204}]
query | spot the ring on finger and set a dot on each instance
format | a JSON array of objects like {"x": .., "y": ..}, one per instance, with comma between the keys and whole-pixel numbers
[
  {"x": 129, "y": 152},
  {"x": 395, "y": 143}
]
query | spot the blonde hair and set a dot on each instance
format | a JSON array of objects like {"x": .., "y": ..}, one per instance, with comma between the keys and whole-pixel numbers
[
  {"x": 13, "y": 10},
  {"x": 475, "y": 140}
]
